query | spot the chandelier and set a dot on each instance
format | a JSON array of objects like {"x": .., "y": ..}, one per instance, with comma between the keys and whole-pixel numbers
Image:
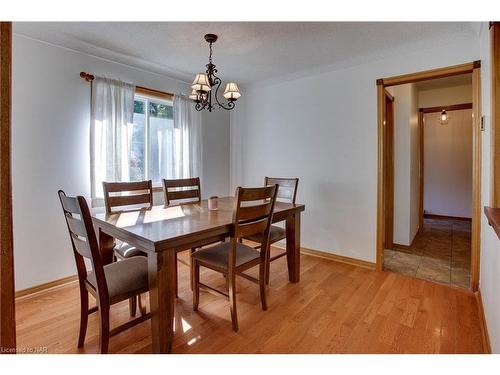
[{"x": 206, "y": 83}]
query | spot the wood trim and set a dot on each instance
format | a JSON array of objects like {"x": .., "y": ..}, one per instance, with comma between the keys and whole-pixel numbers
[
  {"x": 389, "y": 96},
  {"x": 420, "y": 171},
  {"x": 331, "y": 256},
  {"x": 446, "y": 217},
  {"x": 482, "y": 322},
  {"x": 7, "y": 287},
  {"x": 398, "y": 246},
  {"x": 475, "y": 69},
  {"x": 380, "y": 174},
  {"x": 153, "y": 93},
  {"x": 495, "y": 113},
  {"x": 476, "y": 179},
  {"x": 447, "y": 108},
  {"x": 429, "y": 74},
  {"x": 138, "y": 89},
  {"x": 29, "y": 292},
  {"x": 339, "y": 258},
  {"x": 422, "y": 111},
  {"x": 389, "y": 171}
]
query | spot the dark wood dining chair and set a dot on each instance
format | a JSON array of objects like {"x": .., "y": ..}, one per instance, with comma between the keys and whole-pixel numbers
[
  {"x": 185, "y": 191},
  {"x": 252, "y": 213},
  {"x": 287, "y": 192},
  {"x": 120, "y": 196},
  {"x": 182, "y": 190},
  {"x": 110, "y": 283}
]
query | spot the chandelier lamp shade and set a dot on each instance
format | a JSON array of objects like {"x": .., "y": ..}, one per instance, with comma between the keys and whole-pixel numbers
[{"x": 206, "y": 86}]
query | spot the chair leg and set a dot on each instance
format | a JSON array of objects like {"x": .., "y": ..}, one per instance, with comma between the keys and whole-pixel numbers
[
  {"x": 84, "y": 316},
  {"x": 232, "y": 300},
  {"x": 142, "y": 306},
  {"x": 132, "y": 306},
  {"x": 103, "y": 329},
  {"x": 262, "y": 284},
  {"x": 176, "y": 277},
  {"x": 191, "y": 260},
  {"x": 195, "y": 277},
  {"x": 268, "y": 269}
]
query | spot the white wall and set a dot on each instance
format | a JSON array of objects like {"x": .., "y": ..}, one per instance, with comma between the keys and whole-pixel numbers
[
  {"x": 322, "y": 128},
  {"x": 448, "y": 164},
  {"x": 447, "y": 153},
  {"x": 406, "y": 166},
  {"x": 216, "y": 151},
  {"x": 445, "y": 96},
  {"x": 51, "y": 149},
  {"x": 490, "y": 244}
]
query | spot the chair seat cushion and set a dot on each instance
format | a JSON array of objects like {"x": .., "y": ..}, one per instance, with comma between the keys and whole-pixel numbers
[
  {"x": 124, "y": 250},
  {"x": 275, "y": 234},
  {"x": 125, "y": 276},
  {"x": 218, "y": 255}
]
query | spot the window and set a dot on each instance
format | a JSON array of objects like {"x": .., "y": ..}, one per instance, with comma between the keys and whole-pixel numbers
[
  {"x": 151, "y": 143},
  {"x": 133, "y": 137}
]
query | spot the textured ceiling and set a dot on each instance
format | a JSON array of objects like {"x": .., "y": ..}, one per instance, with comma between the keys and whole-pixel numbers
[{"x": 246, "y": 52}]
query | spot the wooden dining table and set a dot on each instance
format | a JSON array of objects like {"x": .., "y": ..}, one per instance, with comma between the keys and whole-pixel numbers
[{"x": 162, "y": 231}]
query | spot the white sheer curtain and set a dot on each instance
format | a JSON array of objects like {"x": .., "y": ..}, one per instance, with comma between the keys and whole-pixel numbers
[
  {"x": 187, "y": 143},
  {"x": 111, "y": 125}
]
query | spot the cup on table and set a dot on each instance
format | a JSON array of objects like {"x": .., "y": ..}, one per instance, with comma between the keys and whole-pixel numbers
[{"x": 212, "y": 203}]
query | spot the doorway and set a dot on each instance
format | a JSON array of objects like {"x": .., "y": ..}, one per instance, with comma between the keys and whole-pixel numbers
[{"x": 422, "y": 224}]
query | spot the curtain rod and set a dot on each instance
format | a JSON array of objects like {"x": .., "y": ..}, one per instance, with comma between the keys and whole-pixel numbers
[{"x": 145, "y": 90}]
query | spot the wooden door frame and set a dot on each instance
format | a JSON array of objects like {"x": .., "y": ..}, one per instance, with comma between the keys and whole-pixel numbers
[
  {"x": 389, "y": 175},
  {"x": 7, "y": 295},
  {"x": 421, "y": 112},
  {"x": 474, "y": 68}
]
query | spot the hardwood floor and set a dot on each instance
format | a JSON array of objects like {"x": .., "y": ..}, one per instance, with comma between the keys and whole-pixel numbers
[{"x": 335, "y": 308}]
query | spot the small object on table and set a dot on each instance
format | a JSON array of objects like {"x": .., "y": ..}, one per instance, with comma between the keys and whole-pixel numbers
[{"x": 212, "y": 203}]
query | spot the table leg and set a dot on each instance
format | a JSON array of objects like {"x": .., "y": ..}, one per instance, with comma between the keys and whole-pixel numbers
[
  {"x": 106, "y": 245},
  {"x": 293, "y": 247},
  {"x": 162, "y": 299}
]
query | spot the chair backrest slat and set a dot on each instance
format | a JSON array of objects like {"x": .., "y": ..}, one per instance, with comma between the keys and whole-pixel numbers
[
  {"x": 128, "y": 200},
  {"x": 70, "y": 204},
  {"x": 245, "y": 230},
  {"x": 182, "y": 194},
  {"x": 118, "y": 187},
  {"x": 182, "y": 189},
  {"x": 121, "y": 194},
  {"x": 81, "y": 246},
  {"x": 181, "y": 182},
  {"x": 287, "y": 190},
  {"x": 254, "y": 212},
  {"x": 76, "y": 226}
]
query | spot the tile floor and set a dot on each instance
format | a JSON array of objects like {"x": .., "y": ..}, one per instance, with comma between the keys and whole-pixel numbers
[{"x": 440, "y": 253}]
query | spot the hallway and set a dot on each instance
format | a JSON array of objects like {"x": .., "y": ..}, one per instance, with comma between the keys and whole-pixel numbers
[{"x": 440, "y": 253}]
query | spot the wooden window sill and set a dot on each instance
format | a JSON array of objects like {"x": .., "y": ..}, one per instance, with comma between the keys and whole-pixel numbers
[{"x": 493, "y": 215}]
